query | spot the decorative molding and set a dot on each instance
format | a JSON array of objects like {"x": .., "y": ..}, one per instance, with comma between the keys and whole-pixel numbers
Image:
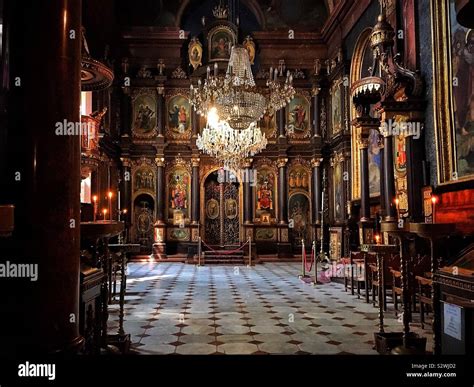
[{"x": 178, "y": 73}]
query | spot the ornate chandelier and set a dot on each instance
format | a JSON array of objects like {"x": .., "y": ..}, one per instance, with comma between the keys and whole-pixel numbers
[
  {"x": 233, "y": 104},
  {"x": 236, "y": 97},
  {"x": 229, "y": 146}
]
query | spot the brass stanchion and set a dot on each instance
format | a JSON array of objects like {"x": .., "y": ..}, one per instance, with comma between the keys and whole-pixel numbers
[
  {"x": 313, "y": 254},
  {"x": 250, "y": 251},
  {"x": 199, "y": 251}
]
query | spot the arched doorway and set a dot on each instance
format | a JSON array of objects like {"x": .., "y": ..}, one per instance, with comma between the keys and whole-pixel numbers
[{"x": 221, "y": 210}]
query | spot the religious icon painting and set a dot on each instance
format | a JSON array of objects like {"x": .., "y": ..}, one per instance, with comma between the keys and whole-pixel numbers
[
  {"x": 374, "y": 163},
  {"x": 212, "y": 209},
  {"x": 178, "y": 117},
  {"x": 249, "y": 45},
  {"x": 298, "y": 117},
  {"x": 195, "y": 53},
  {"x": 144, "y": 115},
  {"x": 265, "y": 193},
  {"x": 231, "y": 208},
  {"x": 454, "y": 100},
  {"x": 336, "y": 107},
  {"x": 221, "y": 39},
  {"x": 268, "y": 125},
  {"x": 179, "y": 181}
]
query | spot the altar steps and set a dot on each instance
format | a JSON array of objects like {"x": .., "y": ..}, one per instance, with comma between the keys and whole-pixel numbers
[{"x": 222, "y": 257}]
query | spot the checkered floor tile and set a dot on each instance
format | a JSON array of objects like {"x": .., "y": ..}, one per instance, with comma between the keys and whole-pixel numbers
[{"x": 174, "y": 308}]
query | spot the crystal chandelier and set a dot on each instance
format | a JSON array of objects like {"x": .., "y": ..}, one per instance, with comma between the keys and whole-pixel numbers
[
  {"x": 229, "y": 146},
  {"x": 236, "y": 97}
]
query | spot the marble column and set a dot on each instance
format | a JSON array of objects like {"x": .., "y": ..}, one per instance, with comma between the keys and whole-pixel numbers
[
  {"x": 195, "y": 122},
  {"x": 44, "y": 178},
  {"x": 195, "y": 194},
  {"x": 160, "y": 189},
  {"x": 389, "y": 178},
  {"x": 414, "y": 154},
  {"x": 161, "y": 111},
  {"x": 126, "y": 190},
  {"x": 159, "y": 245},
  {"x": 281, "y": 122},
  {"x": 282, "y": 190},
  {"x": 364, "y": 179},
  {"x": 248, "y": 197},
  {"x": 315, "y": 111},
  {"x": 316, "y": 190}
]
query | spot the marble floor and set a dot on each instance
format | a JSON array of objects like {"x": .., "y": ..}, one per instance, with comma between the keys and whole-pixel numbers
[{"x": 174, "y": 308}]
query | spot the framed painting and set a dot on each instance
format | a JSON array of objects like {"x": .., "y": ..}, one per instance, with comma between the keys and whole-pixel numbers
[
  {"x": 453, "y": 76},
  {"x": 221, "y": 39},
  {"x": 336, "y": 107},
  {"x": 268, "y": 125},
  {"x": 265, "y": 193},
  {"x": 178, "y": 126},
  {"x": 178, "y": 193},
  {"x": 144, "y": 114},
  {"x": 298, "y": 117},
  {"x": 195, "y": 53}
]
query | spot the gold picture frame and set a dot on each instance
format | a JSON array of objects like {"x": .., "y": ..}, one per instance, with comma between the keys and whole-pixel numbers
[
  {"x": 195, "y": 53},
  {"x": 448, "y": 132}
]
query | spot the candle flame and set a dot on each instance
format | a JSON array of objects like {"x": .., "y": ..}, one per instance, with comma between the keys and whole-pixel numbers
[
  {"x": 110, "y": 195},
  {"x": 434, "y": 199},
  {"x": 94, "y": 198}
]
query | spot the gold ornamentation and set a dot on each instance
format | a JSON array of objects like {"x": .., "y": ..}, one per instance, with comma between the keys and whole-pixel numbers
[
  {"x": 195, "y": 53},
  {"x": 281, "y": 162}
]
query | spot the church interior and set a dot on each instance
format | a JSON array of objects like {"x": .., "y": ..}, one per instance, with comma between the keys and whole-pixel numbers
[{"x": 237, "y": 177}]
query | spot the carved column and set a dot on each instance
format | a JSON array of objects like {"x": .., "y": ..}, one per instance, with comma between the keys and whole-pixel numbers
[
  {"x": 43, "y": 179},
  {"x": 382, "y": 185},
  {"x": 195, "y": 200},
  {"x": 282, "y": 191},
  {"x": 159, "y": 247},
  {"x": 161, "y": 111}
]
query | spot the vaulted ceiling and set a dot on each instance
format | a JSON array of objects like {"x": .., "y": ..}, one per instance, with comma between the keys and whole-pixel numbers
[{"x": 308, "y": 15}]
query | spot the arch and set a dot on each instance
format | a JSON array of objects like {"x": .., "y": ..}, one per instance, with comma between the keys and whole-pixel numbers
[{"x": 362, "y": 44}]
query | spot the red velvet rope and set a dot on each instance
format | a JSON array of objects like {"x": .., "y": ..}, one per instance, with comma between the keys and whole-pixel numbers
[{"x": 312, "y": 260}]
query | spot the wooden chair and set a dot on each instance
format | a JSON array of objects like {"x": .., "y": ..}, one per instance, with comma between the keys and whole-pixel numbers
[
  {"x": 396, "y": 288},
  {"x": 423, "y": 294}
]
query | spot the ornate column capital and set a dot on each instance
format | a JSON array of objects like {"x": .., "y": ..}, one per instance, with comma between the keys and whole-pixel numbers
[
  {"x": 247, "y": 163},
  {"x": 282, "y": 161},
  {"x": 363, "y": 142},
  {"x": 160, "y": 90},
  {"x": 195, "y": 161},
  {"x": 316, "y": 162},
  {"x": 160, "y": 161},
  {"x": 126, "y": 162},
  {"x": 315, "y": 91}
]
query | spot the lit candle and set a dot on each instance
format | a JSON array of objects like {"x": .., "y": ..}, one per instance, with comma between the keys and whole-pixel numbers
[
  {"x": 110, "y": 204},
  {"x": 104, "y": 211},
  {"x": 208, "y": 72},
  {"x": 397, "y": 204},
  {"x": 216, "y": 69},
  {"x": 94, "y": 199},
  {"x": 434, "y": 199},
  {"x": 377, "y": 239}
]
